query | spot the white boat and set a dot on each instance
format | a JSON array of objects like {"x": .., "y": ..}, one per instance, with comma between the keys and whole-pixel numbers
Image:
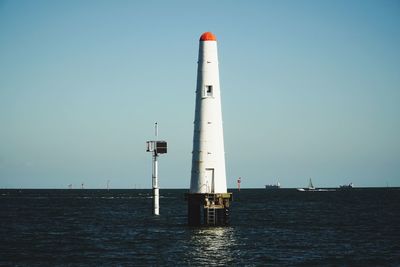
[{"x": 309, "y": 188}]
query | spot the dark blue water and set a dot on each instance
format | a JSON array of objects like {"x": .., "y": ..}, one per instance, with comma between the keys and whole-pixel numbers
[{"x": 272, "y": 228}]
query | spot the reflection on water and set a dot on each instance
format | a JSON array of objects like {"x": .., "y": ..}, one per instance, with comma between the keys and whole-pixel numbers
[{"x": 212, "y": 246}]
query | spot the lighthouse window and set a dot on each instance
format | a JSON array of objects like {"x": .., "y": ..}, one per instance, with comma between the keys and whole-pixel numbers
[{"x": 209, "y": 90}]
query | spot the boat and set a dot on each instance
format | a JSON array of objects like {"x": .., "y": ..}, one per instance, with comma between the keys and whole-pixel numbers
[
  {"x": 309, "y": 188},
  {"x": 273, "y": 186},
  {"x": 346, "y": 186}
]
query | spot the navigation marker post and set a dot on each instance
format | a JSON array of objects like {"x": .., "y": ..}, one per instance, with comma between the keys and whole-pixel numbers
[{"x": 156, "y": 147}]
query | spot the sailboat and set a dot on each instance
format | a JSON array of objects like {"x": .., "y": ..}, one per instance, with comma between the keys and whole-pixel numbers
[{"x": 309, "y": 188}]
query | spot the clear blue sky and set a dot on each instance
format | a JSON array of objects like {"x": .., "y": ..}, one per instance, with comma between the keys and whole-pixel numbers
[{"x": 309, "y": 89}]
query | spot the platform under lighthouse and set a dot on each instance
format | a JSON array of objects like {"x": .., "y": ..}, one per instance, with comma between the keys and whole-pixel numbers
[{"x": 208, "y": 199}]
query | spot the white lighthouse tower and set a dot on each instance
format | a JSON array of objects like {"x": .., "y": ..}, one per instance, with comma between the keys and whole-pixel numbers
[{"x": 208, "y": 198}]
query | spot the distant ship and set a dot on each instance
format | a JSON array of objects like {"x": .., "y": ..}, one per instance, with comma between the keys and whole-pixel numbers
[
  {"x": 273, "y": 186},
  {"x": 347, "y": 186}
]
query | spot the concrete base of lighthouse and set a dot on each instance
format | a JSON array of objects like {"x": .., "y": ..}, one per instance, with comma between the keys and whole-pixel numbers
[{"x": 208, "y": 209}]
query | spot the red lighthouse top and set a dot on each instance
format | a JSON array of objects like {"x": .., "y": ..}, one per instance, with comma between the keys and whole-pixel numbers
[{"x": 208, "y": 36}]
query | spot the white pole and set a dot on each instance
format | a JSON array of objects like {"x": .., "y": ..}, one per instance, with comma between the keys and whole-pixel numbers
[{"x": 156, "y": 193}]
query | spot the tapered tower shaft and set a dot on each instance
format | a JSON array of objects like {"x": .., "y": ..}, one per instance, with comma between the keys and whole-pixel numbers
[{"x": 208, "y": 159}]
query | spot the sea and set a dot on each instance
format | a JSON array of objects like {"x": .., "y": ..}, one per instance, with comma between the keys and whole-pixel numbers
[{"x": 284, "y": 227}]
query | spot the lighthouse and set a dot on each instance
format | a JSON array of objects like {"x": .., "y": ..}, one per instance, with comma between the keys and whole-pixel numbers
[{"x": 208, "y": 199}]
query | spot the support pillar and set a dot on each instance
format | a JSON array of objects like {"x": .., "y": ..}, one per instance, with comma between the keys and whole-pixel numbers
[{"x": 208, "y": 209}]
